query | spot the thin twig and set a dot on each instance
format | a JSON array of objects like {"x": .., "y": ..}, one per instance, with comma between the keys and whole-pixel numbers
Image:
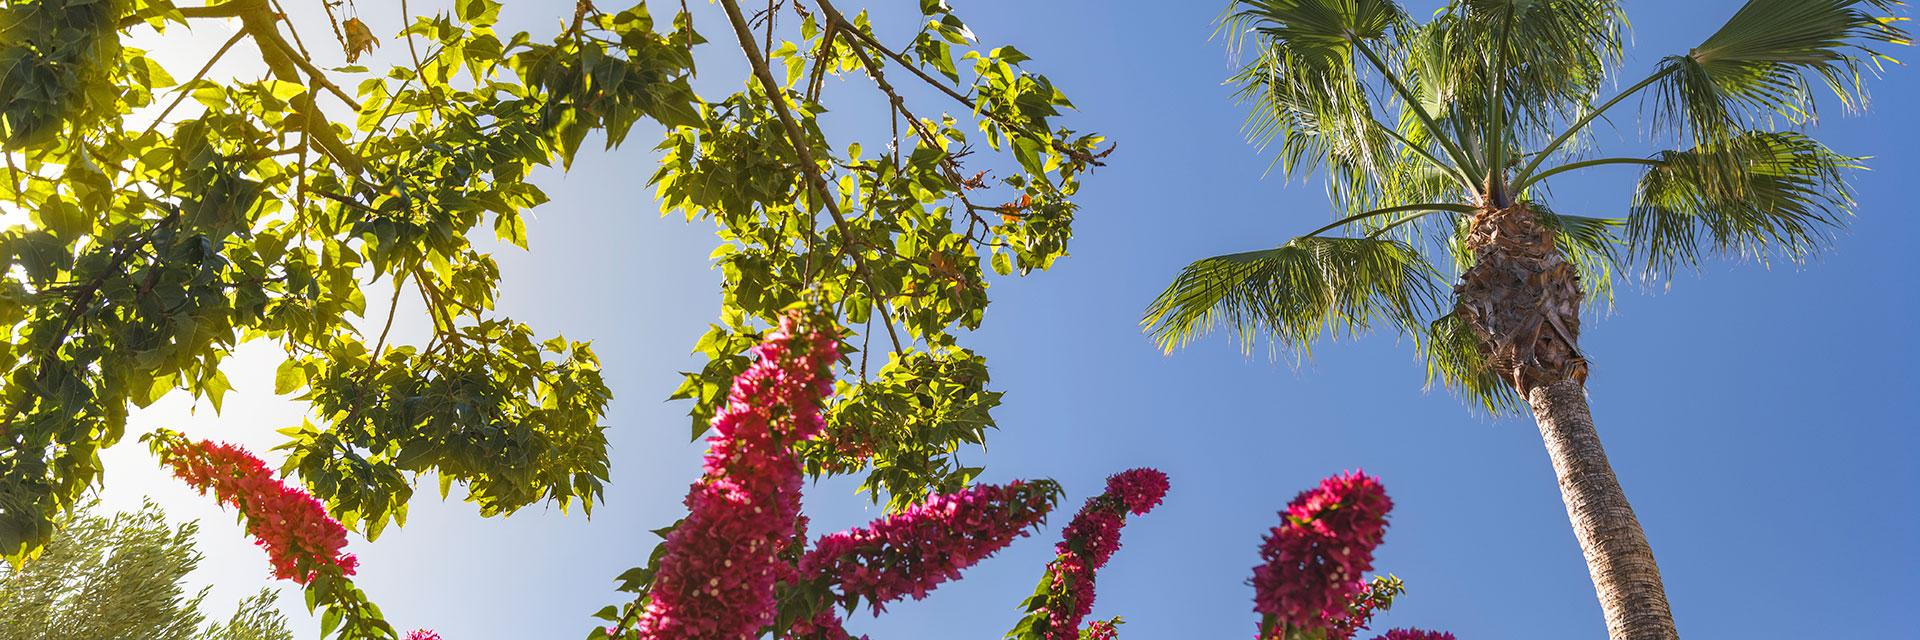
[
  {"x": 947, "y": 164},
  {"x": 815, "y": 83},
  {"x": 344, "y": 200},
  {"x": 282, "y": 12},
  {"x": 181, "y": 90},
  {"x": 399, "y": 285}
]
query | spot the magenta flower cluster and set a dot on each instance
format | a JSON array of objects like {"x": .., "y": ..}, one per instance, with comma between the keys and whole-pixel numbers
[
  {"x": 1101, "y": 630},
  {"x": 909, "y": 553},
  {"x": 422, "y": 634},
  {"x": 1139, "y": 489},
  {"x": 825, "y": 625},
  {"x": 716, "y": 578},
  {"x": 1415, "y": 634},
  {"x": 1313, "y": 563},
  {"x": 300, "y": 538},
  {"x": 1086, "y": 545}
]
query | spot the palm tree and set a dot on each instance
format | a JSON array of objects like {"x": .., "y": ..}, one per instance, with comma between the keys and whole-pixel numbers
[{"x": 1440, "y": 141}]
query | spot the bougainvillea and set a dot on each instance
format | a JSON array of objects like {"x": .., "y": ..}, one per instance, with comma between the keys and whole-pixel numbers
[
  {"x": 1066, "y": 593},
  {"x": 1101, "y": 630},
  {"x": 717, "y": 576},
  {"x": 1139, "y": 489},
  {"x": 825, "y": 625},
  {"x": 1415, "y": 634},
  {"x": 1313, "y": 564},
  {"x": 422, "y": 634},
  {"x": 909, "y": 553},
  {"x": 738, "y": 566},
  {"x": 299, "y": 537},
  {"x": 1377, "y": 597}
]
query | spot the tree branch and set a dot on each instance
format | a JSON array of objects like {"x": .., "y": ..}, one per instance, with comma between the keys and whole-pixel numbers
[
  {"x": 835, "y": 17},
  {"x": 775, "y": 94},
  {"x": 285, "y": 65}
]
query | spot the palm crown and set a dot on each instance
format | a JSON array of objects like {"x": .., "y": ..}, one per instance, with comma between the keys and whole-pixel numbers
[{"x": 1418, "y": 125}]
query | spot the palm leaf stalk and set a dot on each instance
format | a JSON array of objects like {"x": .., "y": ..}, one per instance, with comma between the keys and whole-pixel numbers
[{"x": 1485, "y": 106}]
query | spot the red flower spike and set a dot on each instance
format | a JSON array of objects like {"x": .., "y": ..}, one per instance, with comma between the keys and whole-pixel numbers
[
  {"x": 300, "y": 539},
  {"x": 909, "y": 553},
  {"x": 717, "y": 577},
  {"x": 1086, "y": 545}
]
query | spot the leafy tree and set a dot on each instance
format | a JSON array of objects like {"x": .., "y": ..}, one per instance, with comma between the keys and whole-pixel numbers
[
  {"x": 173, "y": 220},
  {"x": 1439, "y": 140},
  {"x": 121, "y": 577}
]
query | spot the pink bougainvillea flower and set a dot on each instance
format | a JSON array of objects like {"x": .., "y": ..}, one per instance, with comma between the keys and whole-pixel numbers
[
  {"x": 717, "y": 576},
  {"x": 824, "y": 626},
  {"x": 1085, "y": 546},
  {"x": 422, "y": 634},
  {"x": 1140, "y": 489},
  {"x": 1100, "y": 630},
  {"x": 1415, "y": 634},
  {"x": 909, "y": 553},
  {"x": 299, "y": 537},
  {"x": 1313, "y": 564}
]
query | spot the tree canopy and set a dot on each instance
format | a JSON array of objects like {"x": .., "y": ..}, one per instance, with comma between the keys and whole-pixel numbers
[
  {"x": 122, "y": 577},
  {"x": 173, "y": 220}
]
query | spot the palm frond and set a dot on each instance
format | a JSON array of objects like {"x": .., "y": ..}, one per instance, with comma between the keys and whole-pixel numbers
[
  {"x": 1316, "y": 28},
  {"x": 1297, "y": 293},
  {"x": 1303, "y": 85},
  {"x": 1765, "y": 61},
  {"x": 1553, "y": 57},
  {"x": 1457, "y": 360},
  {"x": 1317, "y": 121},
  {"x": 1407, "y": 179},
  {"x": 1755, "y": 195}
]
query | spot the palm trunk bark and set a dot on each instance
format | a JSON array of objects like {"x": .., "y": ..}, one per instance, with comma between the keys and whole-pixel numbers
[
  {"x": 1523, "y": 299},
  {"x": 1618, "y": 556}
]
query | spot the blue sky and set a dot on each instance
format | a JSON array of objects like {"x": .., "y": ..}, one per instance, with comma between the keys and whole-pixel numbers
[{"x": 1760, "y": 419}]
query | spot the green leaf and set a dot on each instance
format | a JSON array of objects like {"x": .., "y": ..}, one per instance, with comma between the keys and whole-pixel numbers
[
  {"x": 290, "y": 376},
  {"x": 216, "y": 388}
]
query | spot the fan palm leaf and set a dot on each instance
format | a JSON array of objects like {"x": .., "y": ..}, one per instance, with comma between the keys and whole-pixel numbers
[
  {"x": 1766, "y": 60},
  {"x": 1756, "y": 195},
  {"x": 1309, "y": 288}
]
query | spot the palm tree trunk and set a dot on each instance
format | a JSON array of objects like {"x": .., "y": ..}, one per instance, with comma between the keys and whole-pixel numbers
[
  {"x": 1618, "y": 556},
  {"x": 1523, "y": 300}
]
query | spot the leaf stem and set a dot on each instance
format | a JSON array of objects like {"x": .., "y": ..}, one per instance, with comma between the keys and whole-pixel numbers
[
  {"x": 1426, "y": 154},
  {"x": 1460, "y": 156},
  {"x": 1525, "y": 175},
  {"x": 1531, "y": 180},
  {"x": 1431, "y": 206}
]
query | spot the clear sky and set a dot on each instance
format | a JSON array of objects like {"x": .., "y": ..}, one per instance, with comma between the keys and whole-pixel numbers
[{"x": 1761, "y": 420}]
